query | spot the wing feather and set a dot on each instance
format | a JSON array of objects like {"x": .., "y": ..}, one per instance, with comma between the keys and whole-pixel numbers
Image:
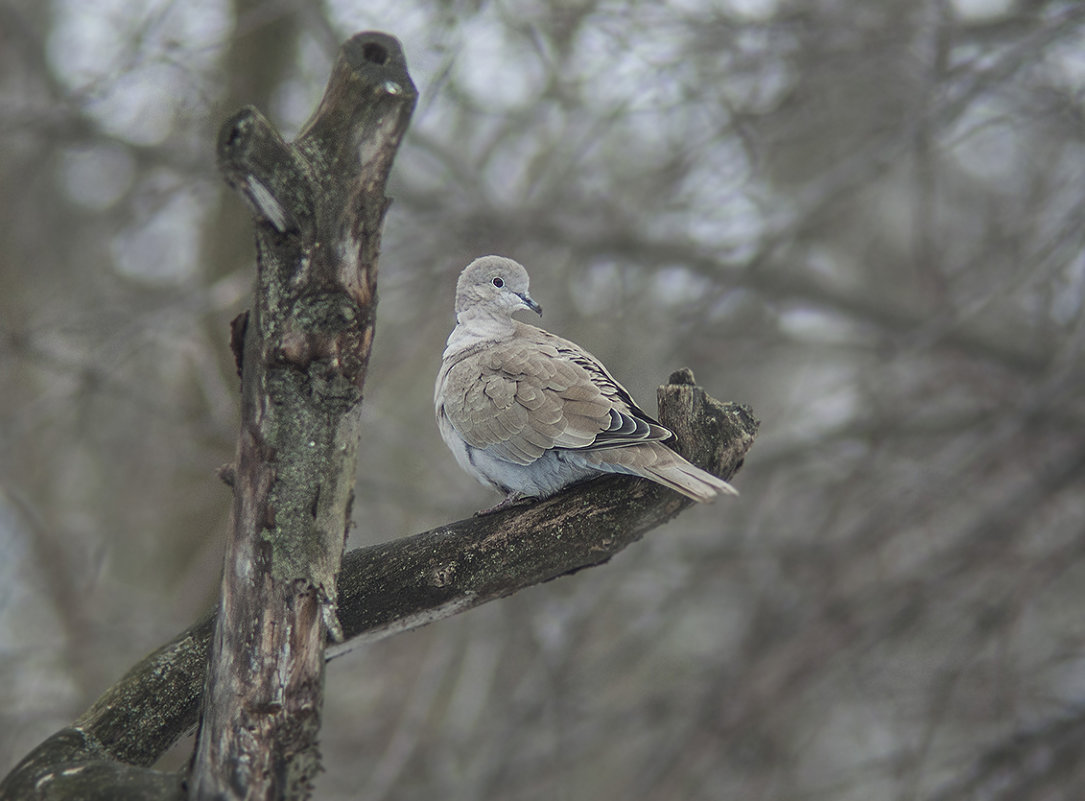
[{"x": 536, "y": 392}]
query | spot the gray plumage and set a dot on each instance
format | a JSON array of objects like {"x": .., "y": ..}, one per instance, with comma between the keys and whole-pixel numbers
[{"x": 528, "y": 413}]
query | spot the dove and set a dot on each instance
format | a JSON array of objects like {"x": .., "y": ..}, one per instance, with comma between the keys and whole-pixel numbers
[{"x": 529, "y": 413}]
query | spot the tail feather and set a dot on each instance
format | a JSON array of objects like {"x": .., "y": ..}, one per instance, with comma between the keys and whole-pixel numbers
[
  {"x": 691, "y": 481},
  {"x": 660, "y": 464}
]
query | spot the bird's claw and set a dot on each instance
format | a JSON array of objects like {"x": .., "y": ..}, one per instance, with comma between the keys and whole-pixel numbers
[{"x": 512, "y": 499}]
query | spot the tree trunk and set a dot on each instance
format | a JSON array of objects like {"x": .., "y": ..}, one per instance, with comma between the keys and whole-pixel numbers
[{"x": 303, "y": 353}]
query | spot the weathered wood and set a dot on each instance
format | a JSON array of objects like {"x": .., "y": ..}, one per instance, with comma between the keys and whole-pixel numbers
[{"x": 318, "y": 205}]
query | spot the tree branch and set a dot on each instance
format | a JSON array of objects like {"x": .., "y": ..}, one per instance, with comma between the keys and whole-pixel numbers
[
  {"x": 398, "y": 586},
  {"x": 445, "y": 571}
]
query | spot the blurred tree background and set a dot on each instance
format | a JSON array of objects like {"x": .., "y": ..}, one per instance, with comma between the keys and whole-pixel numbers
[{"x": 866, "y": 219}]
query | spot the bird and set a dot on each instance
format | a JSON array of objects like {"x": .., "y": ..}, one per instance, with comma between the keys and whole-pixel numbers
[{"x": 528, "y": 413}]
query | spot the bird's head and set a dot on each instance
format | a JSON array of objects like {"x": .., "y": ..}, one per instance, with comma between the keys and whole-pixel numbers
[{"x": 494, "y": 286}]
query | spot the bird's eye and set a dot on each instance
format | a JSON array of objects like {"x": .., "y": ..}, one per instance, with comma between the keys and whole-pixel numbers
[{"x": 497, "y": 282}]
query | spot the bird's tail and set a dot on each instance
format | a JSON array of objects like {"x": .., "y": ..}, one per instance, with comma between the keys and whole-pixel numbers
[{"x": 658, "y": 463}]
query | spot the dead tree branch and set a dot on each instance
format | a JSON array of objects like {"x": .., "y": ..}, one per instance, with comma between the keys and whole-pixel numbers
[{"x": 318, "y": 205}]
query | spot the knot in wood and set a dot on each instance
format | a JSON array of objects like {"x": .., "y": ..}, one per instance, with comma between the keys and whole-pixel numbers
[{"x": 443, "y": 576}]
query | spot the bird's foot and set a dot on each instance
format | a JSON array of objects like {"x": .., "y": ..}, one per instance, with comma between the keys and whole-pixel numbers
[{"x": 512, "y": 499}]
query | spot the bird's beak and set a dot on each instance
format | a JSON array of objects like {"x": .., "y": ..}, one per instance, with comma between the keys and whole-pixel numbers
[{"x": 526, "y": 298}]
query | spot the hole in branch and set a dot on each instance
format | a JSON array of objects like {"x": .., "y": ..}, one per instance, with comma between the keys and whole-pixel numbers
[{"x": 374, "y": 53}]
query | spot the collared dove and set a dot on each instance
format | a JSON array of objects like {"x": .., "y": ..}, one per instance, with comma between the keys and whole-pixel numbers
[{"x": 528, "y": 413}]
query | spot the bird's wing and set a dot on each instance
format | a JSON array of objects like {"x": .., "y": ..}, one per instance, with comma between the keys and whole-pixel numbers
[{"x": 520, "y": 398}]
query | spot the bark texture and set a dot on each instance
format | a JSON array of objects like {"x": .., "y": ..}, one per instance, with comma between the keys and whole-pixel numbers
[{"x": 319, "y": 205}]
